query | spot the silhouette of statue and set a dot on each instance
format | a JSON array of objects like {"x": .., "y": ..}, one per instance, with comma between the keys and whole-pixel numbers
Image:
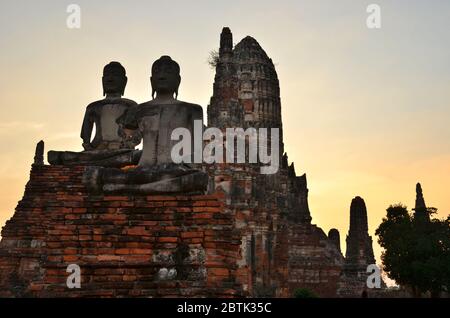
[
  {"x": 156, "y": 120},
  {"x": 113, "y": 145}
]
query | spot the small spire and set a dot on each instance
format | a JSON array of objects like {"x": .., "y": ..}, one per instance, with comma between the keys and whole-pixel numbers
[
  {"x": 284, "y": 161},
  {"x": 358, "y": 217},
  {"x": 420, "y": 201},
  {"x": 291, "y": 170},
  {"x": 420, "y": 210},
  {"x": 335, "y": 238},
  {"x": 39, "y": 154},
  {"x": 226, "y": 41}
]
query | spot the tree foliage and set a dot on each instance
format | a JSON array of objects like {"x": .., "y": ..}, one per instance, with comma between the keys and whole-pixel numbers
[
  {"x": 213, "y": 58},
  {"x": 416, "y": 249}
]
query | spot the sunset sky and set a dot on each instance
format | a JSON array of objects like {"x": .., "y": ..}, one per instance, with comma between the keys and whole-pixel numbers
[{"x": 365, "y": 112}]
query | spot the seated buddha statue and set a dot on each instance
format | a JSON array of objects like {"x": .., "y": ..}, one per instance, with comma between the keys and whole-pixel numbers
[
  {"x": 113, "y": 145},
  {"x": 156, "y": 120}
]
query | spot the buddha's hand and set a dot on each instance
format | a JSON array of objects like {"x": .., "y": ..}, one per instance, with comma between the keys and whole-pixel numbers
[
  {"x": 131, "y": 137},
  {"x": 128, "y": 133}
]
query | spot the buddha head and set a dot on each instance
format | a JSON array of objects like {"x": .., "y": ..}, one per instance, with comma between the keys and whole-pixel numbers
[
  {"x": 165, "y": 77},
  {"x": 114, "y": 79}
]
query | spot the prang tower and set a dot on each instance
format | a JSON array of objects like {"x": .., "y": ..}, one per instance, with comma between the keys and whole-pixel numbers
[
  {"x": 359, "y": 253},
  {"x": 246, "y": 89}
]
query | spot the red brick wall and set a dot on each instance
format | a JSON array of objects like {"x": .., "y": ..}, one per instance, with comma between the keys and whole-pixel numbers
[
  {"x": 123, "y": 244},
  {"x": 306, "y": 259}
]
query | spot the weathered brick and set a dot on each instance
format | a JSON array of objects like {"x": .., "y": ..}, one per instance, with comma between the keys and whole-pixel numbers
[
  {"x": 110, "y": 258},
  {"x": 118, "y": 241},
  {"x": 168, "y": 239},
  {"x": 191, "y": 234},
  {"x": 219, "y": 271}
]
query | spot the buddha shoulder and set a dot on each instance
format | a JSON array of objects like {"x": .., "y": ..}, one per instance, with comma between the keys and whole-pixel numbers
[
  {"x": 95, "y": 106},
  {"x": 128, "y": 102},
  {"x": 190, "y": 107}
]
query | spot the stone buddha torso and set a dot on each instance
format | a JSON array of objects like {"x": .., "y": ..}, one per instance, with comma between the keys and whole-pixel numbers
[
  {"x": 156, "y": 121},
  {"x": 108, "y": 122},
  {"x": 107, "y": 115}
]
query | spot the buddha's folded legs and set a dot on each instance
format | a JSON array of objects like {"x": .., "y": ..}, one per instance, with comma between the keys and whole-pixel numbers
[
  {"x": 193, "y": 182},
  {"x": 167, "y": 178},
  {"x": 103, "y": 158}
]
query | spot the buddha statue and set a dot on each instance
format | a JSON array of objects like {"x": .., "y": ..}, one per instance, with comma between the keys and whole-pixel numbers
[
  {"x": 156, "y": 120},
  {"x": 113, "y": 145}
]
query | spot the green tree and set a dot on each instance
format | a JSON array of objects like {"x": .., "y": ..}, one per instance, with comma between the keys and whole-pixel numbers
[{"x": 416, "y": 249}]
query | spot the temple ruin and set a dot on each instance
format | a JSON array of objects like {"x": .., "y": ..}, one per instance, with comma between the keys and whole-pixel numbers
[{"x": 248, "y": 235}]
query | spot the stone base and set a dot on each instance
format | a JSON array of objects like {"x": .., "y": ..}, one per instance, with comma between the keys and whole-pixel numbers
[{"x": 126, "y": 246}]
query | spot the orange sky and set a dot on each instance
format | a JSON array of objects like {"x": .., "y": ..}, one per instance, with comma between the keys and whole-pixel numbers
[{"x": 365, "y": 112}]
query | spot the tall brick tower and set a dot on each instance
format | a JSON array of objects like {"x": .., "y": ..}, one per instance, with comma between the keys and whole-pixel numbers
[
  {"x": 281, "y": 249},
  {"x": 246, "y": 88},
  {"x": 359, "y": 251}
]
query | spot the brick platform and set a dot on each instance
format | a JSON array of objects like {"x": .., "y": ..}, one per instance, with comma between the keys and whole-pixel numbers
[{"x": 130, "y": 246}]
